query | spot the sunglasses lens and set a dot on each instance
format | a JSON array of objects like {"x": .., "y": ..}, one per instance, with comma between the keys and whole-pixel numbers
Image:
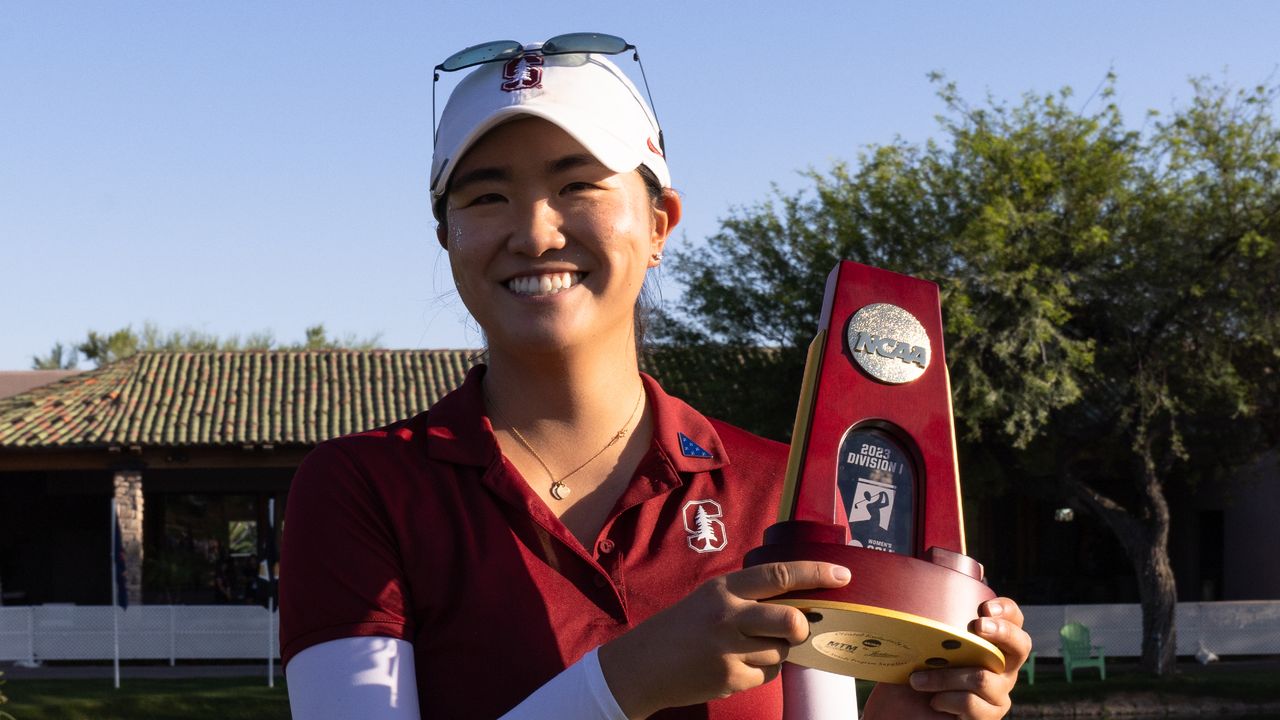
[
  {"x": 584, "y": 42},
  {"x": 484, "y": 53}
]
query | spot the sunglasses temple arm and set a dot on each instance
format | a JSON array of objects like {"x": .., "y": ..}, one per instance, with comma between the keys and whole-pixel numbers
[
  {"x": 635, "y": 55},
  {"x": 435, "y": 78}
]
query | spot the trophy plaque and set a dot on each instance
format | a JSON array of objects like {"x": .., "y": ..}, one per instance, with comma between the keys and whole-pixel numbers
[{"x": 872, "y": 484}]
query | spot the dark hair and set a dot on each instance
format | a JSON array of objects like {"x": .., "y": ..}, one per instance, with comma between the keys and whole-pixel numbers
[{"x": 646, "y": 304}]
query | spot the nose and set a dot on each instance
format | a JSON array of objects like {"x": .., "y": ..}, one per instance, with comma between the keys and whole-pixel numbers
[{"x": 539, "y": 229}]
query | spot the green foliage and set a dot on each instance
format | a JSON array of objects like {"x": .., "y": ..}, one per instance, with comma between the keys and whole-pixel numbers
[
  {"x": 1082, "y": 264},
  {"x": 4, "y": 699},
  {"x": 730, "y": 382},
  {"x": 175, "y": 567},
  {"x": 103, "y": 348},
  {"x": 59, "y": 358},
  {"x": 1110, "y": 297}
]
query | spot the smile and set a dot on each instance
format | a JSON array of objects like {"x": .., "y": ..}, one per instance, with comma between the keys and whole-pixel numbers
[{"x": 546, "y": 284}]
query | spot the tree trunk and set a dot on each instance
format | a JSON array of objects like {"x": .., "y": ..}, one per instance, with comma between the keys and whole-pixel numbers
[
  {"x": 1145, "y": 539},
  {"x": 1156, "y": 588},
  {"x": 1159, "y": 601}
]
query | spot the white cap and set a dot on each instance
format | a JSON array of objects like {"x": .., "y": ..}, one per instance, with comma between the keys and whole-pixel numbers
[{"x": 586, "y": 95}]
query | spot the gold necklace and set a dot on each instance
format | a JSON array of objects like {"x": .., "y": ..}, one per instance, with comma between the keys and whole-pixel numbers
[{"x": 559, "y": 490}]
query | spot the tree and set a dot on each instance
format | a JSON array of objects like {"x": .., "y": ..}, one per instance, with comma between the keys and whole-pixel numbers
[
  {"x": 705, "y": 532},
  {"x": 1109, "y": 294},
  {"x": 59, "y": 358},
  {"x": 104, "y": 348}
]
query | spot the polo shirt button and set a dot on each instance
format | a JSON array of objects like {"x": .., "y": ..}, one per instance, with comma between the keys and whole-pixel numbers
[{"x": 606, "y": 546}]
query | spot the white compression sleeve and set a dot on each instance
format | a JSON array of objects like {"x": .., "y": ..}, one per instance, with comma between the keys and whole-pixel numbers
[
  {"x": 579, "y": 691},
  {"x": 354, "y": 678},
  {"x": 810, "y": 694},
  {"x": 372, "y": 678}
]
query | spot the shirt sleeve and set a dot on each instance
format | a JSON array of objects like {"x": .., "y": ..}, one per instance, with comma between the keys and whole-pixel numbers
[
  {"x": 340, "y": 569},
  {"x": 366, "y": 678},
  {"x": 579, "y": 691}
]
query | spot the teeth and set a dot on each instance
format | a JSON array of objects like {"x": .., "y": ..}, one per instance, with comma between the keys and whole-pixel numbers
[{"x": 547, "y": 284}]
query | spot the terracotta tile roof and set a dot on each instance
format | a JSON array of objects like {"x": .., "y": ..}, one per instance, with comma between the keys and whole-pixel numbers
[
  {"x": 13, "y": 382},
  {"x": 230, "y": 398}
]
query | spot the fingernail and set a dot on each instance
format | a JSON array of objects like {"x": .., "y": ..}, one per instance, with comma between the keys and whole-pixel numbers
[
  {"x": 841, "y": 573},
  {"x": 987, "y": 626},
  {"x": 919, "y": 681},
  {"x": 994, "y": 608}
]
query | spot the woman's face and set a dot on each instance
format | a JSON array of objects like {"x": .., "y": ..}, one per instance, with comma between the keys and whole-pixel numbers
[{"x": 548, "y": 247}]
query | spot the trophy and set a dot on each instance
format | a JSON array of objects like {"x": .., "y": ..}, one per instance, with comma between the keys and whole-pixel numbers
[{"x": 872, "y": 484}]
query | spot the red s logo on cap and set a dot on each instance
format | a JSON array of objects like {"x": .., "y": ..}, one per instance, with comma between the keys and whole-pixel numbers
[{"x": 522, "y": 73}]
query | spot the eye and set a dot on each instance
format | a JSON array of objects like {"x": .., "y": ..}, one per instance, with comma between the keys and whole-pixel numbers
[
  {"x": 485, "y": 199},
  {"x": 578, "y": 186}
]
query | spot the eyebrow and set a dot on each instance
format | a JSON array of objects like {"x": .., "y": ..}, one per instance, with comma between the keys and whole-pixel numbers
[
  {"x": 480, "y": 174},
  {"x": 499, "y": 173},
  {"x": 571, "y": 162}
]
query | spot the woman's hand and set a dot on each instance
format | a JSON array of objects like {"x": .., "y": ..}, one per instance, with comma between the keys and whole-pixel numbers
[
  {"x": 716, "y": 641},
  {"x": 971, "y": 693}
]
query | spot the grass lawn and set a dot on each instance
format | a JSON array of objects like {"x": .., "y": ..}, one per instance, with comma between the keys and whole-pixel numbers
[
  {"x": 250, "y": 698},
  {"x": 1248, "y": 683},
  {"x": 178, "y": 699},
  {"x": 1245, "y": 682}
]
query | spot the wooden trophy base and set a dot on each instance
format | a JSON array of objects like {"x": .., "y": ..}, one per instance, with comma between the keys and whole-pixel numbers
[{"x": 897, "y": 615}]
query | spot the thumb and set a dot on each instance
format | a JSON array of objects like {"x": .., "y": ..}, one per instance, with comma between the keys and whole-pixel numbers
[{"x": 770, "y": 579}]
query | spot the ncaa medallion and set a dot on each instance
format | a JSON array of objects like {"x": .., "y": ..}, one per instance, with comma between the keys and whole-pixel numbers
[{"x": 888, "y": 343}]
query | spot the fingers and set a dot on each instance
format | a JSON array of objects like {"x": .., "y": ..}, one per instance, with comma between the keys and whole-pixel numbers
[
  {"x": 974, "y": 692},
  {"x": 763, "y": 620},
  {"x": 954, "y": 687},
  {"x": 770, "y": 579},
  {"x": 1001, "y": 625},
  {"x": 967, "y": 705},
  {"x": 768, "y": 652},
  {"x": 748, "y": 676},
  {"x": 1002, "y": 607}
]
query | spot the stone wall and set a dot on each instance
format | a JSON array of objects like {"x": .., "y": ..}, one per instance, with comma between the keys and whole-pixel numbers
[{"x": 128, "y": 494}]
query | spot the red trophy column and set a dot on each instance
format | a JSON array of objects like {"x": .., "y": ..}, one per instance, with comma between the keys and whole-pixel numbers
[{"x": 872, "y": 484}]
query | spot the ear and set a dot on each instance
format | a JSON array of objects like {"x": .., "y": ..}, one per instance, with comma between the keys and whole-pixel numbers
[
  {"x": 666, "y": 216},
  {"x": 442, "y": 234}
]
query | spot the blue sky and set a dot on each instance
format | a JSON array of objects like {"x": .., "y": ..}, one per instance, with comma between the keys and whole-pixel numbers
[{"x": 241, "y": 166}]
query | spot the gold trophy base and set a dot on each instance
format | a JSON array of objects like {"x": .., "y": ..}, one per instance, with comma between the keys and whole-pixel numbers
[{"x": 884, "y": 645}]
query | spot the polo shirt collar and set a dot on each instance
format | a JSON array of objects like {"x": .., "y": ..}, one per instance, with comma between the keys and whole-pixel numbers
[
  {"x": 460, "y": 432},
  {"x": 458, "y": 429},
  {"x": 684, "y": 436}
]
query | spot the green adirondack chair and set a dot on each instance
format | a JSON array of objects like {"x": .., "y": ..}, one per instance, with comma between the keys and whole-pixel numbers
[
  {"x": 1029, "y": 667},
  {"x": 1078, "y": 651}
]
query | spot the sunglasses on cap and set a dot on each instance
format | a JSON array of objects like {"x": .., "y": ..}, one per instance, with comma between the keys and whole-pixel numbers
[{"x": 566, "y": 44}]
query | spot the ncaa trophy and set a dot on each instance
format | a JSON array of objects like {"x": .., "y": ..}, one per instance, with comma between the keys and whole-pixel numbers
[{"x": 872, "y": 484}]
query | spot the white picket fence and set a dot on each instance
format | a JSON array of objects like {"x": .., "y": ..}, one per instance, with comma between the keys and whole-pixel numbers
[
  {"x": 149, "y": 632},
  {"x": 1224, "y": 628},
  {"x": 227, "y": 632}
]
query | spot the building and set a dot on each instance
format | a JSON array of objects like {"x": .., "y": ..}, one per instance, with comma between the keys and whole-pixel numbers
[
  {"x": 13, "y": 382},
  {"x": 192, "y": 446}
]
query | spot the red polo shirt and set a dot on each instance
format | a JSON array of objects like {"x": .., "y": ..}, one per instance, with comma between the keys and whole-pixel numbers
[{"x": 423, "y": 531}]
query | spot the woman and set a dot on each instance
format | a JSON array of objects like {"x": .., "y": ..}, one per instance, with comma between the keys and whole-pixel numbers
[{"x": 558, "y": 537}]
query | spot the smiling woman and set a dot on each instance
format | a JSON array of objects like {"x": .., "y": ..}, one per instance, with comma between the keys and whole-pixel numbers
[
  {"x": 550, "y": 247},
  {"x": 558, "y": 537}
]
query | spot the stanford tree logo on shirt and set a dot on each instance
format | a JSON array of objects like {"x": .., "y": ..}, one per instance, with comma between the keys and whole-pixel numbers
[{"x": 701, "y": 521}]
